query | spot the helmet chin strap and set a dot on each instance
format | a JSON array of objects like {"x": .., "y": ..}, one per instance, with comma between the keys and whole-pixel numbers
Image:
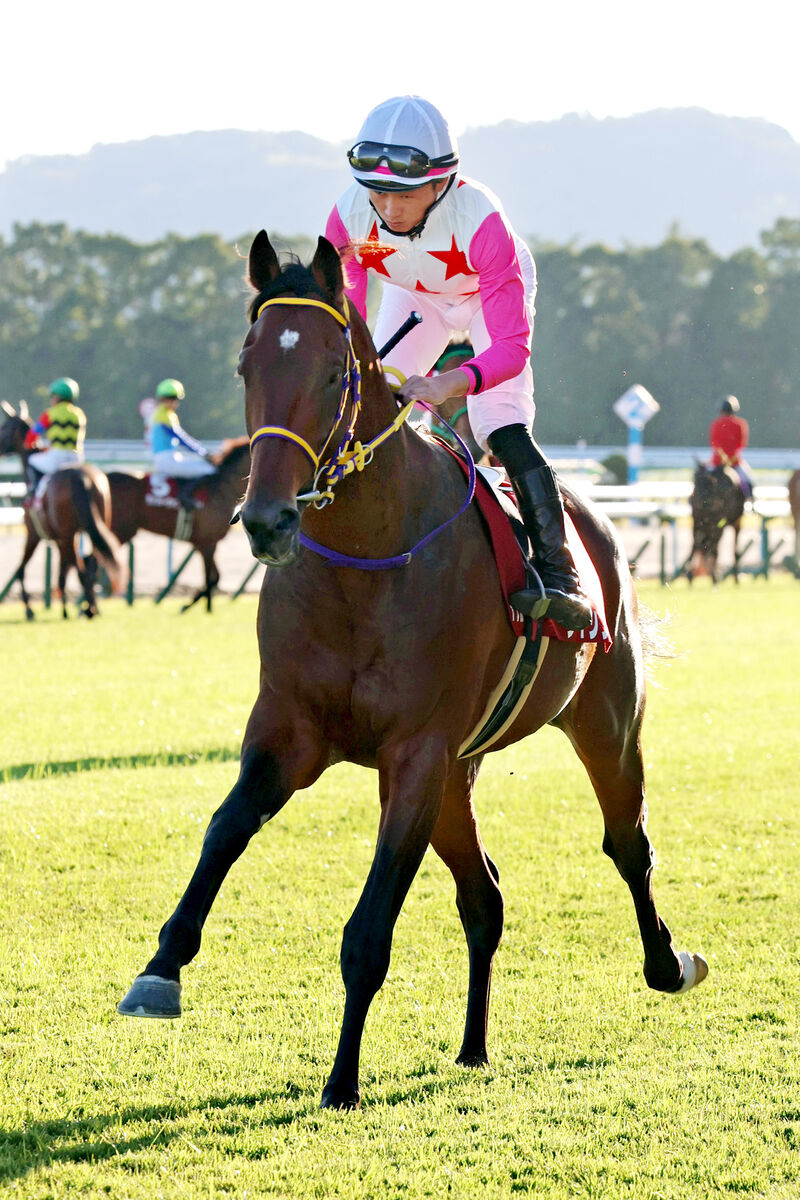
[{"x": 417, "y": 230}]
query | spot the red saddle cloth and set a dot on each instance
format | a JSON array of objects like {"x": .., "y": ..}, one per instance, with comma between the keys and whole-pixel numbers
[
  {"x": 511, "y": 567},
  {"x": 163, "y": 489}
]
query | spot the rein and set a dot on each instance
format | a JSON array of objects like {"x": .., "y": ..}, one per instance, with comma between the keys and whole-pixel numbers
[
  {"x": 347, "y": 459},
  {"x": 440, "y": 426}
]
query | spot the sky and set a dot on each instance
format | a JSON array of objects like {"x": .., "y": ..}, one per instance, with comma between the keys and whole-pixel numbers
[{"x": 88, "y": 72}]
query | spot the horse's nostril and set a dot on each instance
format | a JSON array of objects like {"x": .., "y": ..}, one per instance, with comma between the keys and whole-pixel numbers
[
  {"x": 287, "y": 521},
  {"x": 271, "y": 528}
]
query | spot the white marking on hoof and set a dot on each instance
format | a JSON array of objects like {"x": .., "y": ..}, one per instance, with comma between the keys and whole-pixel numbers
[
  {"x": 289, "y": 339},
  {"x": 695, "y": 969}
]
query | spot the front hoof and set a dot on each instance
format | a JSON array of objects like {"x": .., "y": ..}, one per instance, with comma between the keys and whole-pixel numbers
[
  {"x": 152, "y": 996},
  {"x": 343, "y": 1098},
  {"x": 695, "y": 969},
  {"x": 475, "y": 1058}
]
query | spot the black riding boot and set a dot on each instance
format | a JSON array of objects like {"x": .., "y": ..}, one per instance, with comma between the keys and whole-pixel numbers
[
  {"x": 186, "y": 494},
  {"x": 542, "y": 513}
]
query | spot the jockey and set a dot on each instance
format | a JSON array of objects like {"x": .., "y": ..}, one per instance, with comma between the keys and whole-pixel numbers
[
  {"x": 441, "y": 244},
  {"x": 175, "y": 453},
  {"x": 63, "y": 425},
  {"x": 728, "y": 436}
]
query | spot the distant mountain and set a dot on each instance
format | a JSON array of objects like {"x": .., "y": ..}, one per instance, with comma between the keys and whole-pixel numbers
[{"x": 619, "y": 180}]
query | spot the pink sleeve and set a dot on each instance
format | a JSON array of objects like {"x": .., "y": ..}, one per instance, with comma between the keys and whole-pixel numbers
[
  {"x": 493, "y": 254},
  {"x": 355, "y": 277}
]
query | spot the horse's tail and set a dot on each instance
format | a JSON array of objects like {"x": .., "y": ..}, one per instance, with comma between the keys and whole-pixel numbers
[
  {"x": 655, "y": 642},
  {"x": 92, "y": 522}
]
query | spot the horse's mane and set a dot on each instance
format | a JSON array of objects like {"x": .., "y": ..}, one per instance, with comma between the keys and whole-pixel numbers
[
  {"x": 231, "y": 451},
  {"x": 294, "y": 280}
]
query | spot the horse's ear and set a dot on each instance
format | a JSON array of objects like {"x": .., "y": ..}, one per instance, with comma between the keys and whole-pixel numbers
[
  {"x": 326, "y": 268},
  {"x": 24, "y": 411},
  {"x": 7, "y": 408},
  {"x": 262, "y": 264}
]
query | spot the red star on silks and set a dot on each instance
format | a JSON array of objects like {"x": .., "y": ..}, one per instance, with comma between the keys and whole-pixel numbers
[
  {"x": 420, "y": 287},
  {"x": 372, "y": 256},
  {"x": 454, "y": 260}
]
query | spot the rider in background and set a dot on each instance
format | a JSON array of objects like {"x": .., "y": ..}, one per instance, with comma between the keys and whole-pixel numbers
[
  {"x": 175, "y": 453},
  {"x": 728, "y": 436},
  {"x": 63, "y": 426},
  {"x": 441, "y": 244}
]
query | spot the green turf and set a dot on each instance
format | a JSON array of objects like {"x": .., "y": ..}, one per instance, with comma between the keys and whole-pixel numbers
[{"x": 120, "y": 739}]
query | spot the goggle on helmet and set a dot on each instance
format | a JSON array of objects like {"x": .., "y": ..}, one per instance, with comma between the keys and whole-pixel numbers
[{"x": 404, "y": 143}]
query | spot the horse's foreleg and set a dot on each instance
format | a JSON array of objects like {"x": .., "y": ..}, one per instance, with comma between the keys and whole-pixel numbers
[
  {"x": 737, "y": 528},
  {"x": 31, "y": 542},
  {"x": 412, "y": 782},
  {"x": 603, "y": 723},
  {"x": 479, "y": 901},
  {"x": 263, "y": 787}
]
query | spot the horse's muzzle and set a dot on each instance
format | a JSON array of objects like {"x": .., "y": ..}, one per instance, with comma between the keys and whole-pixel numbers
[{"x": 273, "y": 529}]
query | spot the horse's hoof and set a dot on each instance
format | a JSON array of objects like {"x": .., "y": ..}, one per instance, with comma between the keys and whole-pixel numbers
[
  {"x": 152, "y": 996},
  {"x": 344, "y": 1099},
  {"x": 477, "y": 1058},
  {"x": 695, "y": 969}
]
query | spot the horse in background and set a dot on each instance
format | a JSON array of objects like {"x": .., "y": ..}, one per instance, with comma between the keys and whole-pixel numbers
[
  {"x": 135, "y": 506},
  {"x": 793, "y": 488},
  {"x": 76, "y": 500},
  {"x": 717, "y": 501},
  {"x": 383, "y": 639},
  {"x": 454, "y": 409}
]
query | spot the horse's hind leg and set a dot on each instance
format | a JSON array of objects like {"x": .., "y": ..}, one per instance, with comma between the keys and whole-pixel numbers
[
  {"x": 88, "y": 578},
  {"x": 479, "y": 901},
  {"x": 212, "y": 579},
  {"x": 603, "y": 722}
]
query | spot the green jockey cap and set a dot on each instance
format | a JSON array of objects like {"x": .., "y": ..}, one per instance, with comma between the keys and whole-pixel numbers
[
  {"x": 170, "y": 389},
  {"x": 65, "y": 389}
]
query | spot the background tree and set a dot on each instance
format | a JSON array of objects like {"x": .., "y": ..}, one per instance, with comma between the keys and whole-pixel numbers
[{"x": 119, "y": 316}]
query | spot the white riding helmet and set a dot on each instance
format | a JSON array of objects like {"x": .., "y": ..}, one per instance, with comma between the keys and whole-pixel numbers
[{"x": 404, "y": 143}]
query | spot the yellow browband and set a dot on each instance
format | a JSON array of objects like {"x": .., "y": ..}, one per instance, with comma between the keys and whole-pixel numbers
[{"x": 308, "y": 303}]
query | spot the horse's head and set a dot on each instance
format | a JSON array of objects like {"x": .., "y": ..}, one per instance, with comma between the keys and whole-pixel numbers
[
  {"x": 13, "y": 427},
  {"x": 293, "y": 362}
]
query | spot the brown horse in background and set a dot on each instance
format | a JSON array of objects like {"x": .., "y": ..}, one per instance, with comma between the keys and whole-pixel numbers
[
  {"x": 393, "y": 668},
  {"x": 76, "y": 501},
  {"x": 132, "y": 512},
  {"x": 794, "y": 505},
  {"x": 717, "y": 501}
]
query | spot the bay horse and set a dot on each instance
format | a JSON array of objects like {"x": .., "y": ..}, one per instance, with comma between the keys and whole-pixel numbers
[
  {"x": 131, "y": 510},
  {"x": 76, "y": 501},
  {"x": 380, "y": 644},
  {"x": 717, "y": 501}
]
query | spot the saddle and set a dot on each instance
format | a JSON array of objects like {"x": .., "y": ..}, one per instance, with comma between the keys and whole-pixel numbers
[
  {"x": 498, "y": 508},
  {"x": 165, "y": 490}
]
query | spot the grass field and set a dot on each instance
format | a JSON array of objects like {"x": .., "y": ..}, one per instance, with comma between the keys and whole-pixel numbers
[{"x": 119, "y": 740}]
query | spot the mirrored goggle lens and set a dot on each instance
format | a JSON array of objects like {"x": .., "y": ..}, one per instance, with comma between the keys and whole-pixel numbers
[{"x": 405, "y": 161}]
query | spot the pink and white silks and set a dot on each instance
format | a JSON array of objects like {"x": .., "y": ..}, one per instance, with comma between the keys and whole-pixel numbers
[{"x": 467, "y": 270}]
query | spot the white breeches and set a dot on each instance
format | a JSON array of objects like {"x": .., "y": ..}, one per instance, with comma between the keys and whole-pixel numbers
[
  {"x": 182, "y": 464},
  {"x": 51, "y": 460},
  {"x": 509, "y": 403}
]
